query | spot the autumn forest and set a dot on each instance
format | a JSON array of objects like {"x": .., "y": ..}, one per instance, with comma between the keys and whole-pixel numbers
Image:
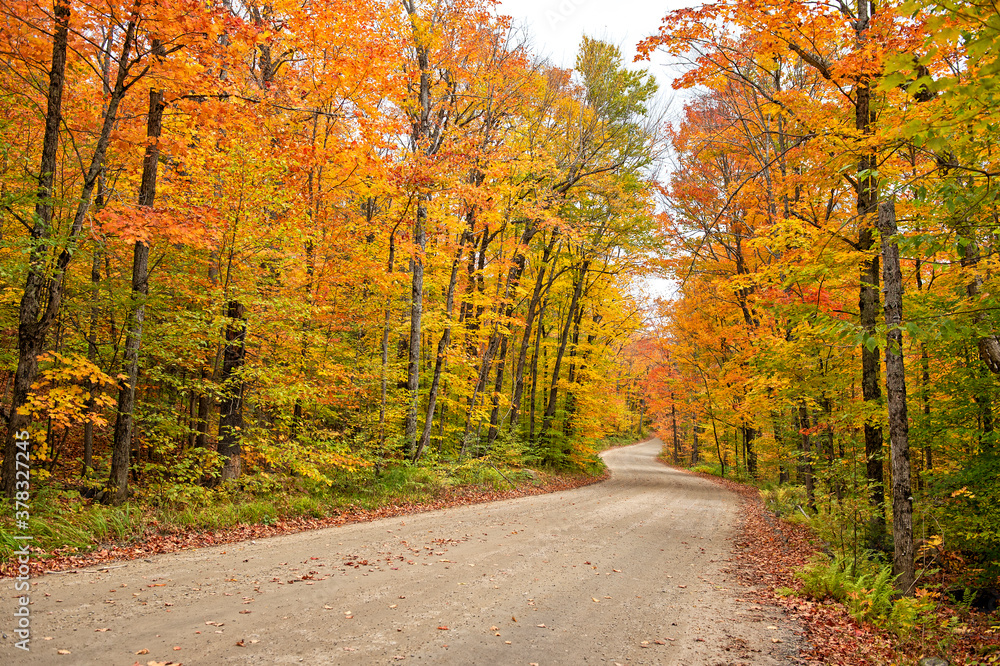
[{"x": 249, "y": 249}]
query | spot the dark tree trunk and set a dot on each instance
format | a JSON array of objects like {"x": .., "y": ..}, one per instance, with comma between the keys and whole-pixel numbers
[
  {"x": 694, "y": 444},
  {"x": 805, "y": 466},
  {"x": 88, "y": 427},
  {"x": 442, "y": 348},
  {"x": 385, "y": 341},
  {"x": 868, "y": 299},
  {"x": 33, "y": 324},
  {"x": 533, "y": 400},
  {"x": 497, "y": 391},
  {"x": 895, "y": 384},
  {"x": 550, "y": 408},
  {"x": 673, "y": 422},
  {"x": 231, "y": 407},
  {"x": 31, "y": 332},
  {"x": 749, "y": 453},
  {"x": 124, "y": 423},
  {"x": 536, "y": 297},
  {"x": 204, "y": 405},
  {"x": 416, "y": 316}
]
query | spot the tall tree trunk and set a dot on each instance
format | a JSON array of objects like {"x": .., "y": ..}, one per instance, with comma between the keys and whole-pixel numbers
[
  {"x": 533, "y": 400},
  {"x": 673, "y": 422},
  {"x": 201, "y": 440},
  {"x": 442, "y": 348},
  {"x": 497, "y": 392},
  {"x": 868, "y": 302},
  {"x": 95, "y": 269},
  {"x": 416, "y": 316},
  {"x": 231, "y": 407},
  {"x": 571, "y": 376},
  {"x": 988, "y": 346},
  {"x": 805, "y": 466},
  {"x": 88, "y": 427},
  {"x": 31, "y": 332},
  {"x": 33, "y": 323},
  {"x": 868, "y": 299},
  {"x": 550, "y": 408},
  {"x": 384, "y": 380},
  {"x": 694, "y": 444},
  {"x": 783, "y": 473},
  {"x": 749, "y": 453},
  {"x": 536, "y": 297},
  {"x": 124, "y": 423},
  {"x": 895, "y": 385}
]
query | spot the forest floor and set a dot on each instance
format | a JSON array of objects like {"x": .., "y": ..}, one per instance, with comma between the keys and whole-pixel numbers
[
  {"x": 768, "y": 553},
  {"x": 636, "y": 570}
]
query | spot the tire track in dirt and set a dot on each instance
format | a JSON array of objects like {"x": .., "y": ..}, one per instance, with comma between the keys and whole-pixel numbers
[{"x": 628, "y": 571}]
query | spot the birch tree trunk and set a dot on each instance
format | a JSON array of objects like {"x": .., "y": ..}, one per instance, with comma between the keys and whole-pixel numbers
[{"x": 895, "y": 385}]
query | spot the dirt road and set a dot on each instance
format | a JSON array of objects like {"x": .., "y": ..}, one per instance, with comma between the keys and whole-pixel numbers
[{"x": 626, "y": 571}]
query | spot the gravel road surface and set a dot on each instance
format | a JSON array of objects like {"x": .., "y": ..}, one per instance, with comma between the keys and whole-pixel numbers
[{"x": 628, "y": 571}]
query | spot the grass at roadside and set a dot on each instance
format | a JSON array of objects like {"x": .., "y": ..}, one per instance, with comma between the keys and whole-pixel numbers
[{"x": 69, "y": 530}]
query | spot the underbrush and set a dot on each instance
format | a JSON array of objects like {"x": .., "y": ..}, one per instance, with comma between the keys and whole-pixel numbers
[
  {"x": 865, "y": 587},
  {"x": 65, "y": 521}
]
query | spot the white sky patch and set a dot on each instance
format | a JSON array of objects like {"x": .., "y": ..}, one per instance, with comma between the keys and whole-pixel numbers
[{"x": 555, "y": 28}]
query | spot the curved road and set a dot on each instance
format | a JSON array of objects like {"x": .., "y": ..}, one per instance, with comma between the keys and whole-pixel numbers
[{"x": 626, "y": 571}]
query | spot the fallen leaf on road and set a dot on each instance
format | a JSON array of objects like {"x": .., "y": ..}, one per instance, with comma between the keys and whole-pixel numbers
[
  {"x": 682, "y": 586},
  {"x": 595, "y": 600},
  {"x": 513, "y": 618},
  {"x": 63, "y": 652},
  {"x": 540, "y": 625},
  {"x": 443, "y": 628},
  {"x": 660, "y": 642},
  {"x": 776, "y": 640},
  {"x": 142, "y": 651},
  {"x": 240, "y": 643},
  {"x": 102, "y": 629}
]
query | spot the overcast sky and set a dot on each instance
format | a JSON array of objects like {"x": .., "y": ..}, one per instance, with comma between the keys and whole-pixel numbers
[{"x": 556, "y": 27}]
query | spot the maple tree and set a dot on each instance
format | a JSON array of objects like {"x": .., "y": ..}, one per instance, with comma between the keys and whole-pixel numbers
[
  {"x": 811, "y": 124},
  {"x": 313, "y": 241}
]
